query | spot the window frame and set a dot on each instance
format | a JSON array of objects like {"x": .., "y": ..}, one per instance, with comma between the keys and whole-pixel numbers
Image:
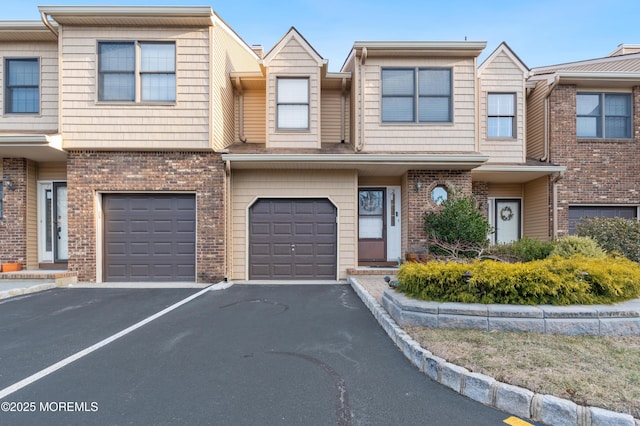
[
  {"x": 514, "y": 130},
  {"x": 601, "y": 124},
  {"x": 138, "y": 73},
  {"x": 280, "y": 103},
  {"x": 416, "y": 96},
  {"x": 8, "y": 89}
]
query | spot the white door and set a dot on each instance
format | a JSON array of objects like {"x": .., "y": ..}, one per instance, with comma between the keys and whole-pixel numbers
[
  {"x": 394, "y": 234},
  {"x": 507, "y": 220},
  {"x": 53, "y": 240}
]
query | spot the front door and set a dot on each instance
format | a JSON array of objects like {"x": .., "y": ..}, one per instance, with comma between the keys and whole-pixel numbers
[
  {"x": 507, "y": 220},
  {"x": 372, "y": 245},
  {"x": 53, "y": 241}
]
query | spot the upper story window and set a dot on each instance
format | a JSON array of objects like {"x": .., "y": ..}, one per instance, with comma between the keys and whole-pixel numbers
[
  {"x": 293, "y": 103},
  {"x": 603, "y": 115},
  {"x": 501, "y": 115},
  {"x": 417, "y": 95},
  {"x": 22, "y": 87},
  {"x": 125, "y": 66}
]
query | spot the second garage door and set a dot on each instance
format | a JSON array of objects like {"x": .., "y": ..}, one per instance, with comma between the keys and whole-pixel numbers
[
  {"x": 149, "y": 237},
  {"x": 292, "y": 239}
]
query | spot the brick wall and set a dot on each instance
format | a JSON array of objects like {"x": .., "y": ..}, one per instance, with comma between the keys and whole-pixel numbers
[
  {"x": 456, "y": 181},
  {"x": 598, "y": 171},
  {"x": 13, "y": 225},
  {"x": 201, "y": 173}
]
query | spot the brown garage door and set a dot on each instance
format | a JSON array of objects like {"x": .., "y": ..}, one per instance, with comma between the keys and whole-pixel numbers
[
  {"x": 292, "y": 239},
  {"x": 578, "y": 212},
  {"x": 149, "y": 237}
]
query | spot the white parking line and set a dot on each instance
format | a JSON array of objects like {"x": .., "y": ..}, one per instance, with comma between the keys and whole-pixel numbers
[{"x": 78, "y": 355}]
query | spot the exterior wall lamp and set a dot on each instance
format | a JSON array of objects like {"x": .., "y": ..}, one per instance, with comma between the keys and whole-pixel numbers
[
  {"x": 9, "y": 184},
  {"x": 418, "y": 185}
]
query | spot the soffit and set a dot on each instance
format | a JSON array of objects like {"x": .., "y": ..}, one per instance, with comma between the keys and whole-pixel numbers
[
  {"x": 25, "y": 31},
  {"x": 130, "y": 15}
]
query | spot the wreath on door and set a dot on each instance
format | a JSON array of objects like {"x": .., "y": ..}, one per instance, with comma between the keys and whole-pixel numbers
[{"x": 506, "y": 213}]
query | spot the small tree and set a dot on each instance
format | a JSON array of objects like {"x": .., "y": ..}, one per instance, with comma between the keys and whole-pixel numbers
[{"x": 458, "y": 229}]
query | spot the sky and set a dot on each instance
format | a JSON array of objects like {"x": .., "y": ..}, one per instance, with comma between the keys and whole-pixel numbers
[{"x": 540, "y": 32}]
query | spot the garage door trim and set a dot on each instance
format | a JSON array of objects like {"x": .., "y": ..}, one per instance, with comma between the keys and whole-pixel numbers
[{"x": 257, "y": 199}]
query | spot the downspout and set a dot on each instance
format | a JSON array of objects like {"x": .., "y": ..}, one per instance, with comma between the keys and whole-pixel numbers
[
  {"x": 47, "y": 24},
  {"x": 241, "y": 135},
  {"x": 342, "y": 110},
  {"x": 554, "y": 184},
  {"x": 363, "y": 60},
  {"x": 552, "y": 86}
]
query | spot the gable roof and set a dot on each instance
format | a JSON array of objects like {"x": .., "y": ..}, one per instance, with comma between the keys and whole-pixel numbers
[
  {"x": 293, "y": 34},
  {"x": 503, "y": 48},
  {"x": 611, "y": 64}
]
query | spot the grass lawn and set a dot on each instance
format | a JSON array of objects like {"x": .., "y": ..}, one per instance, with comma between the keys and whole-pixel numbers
[{"x": 593, "y": 371}]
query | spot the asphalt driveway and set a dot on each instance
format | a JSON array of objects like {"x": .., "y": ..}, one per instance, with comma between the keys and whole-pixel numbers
[{"x": 246, "y": 355}]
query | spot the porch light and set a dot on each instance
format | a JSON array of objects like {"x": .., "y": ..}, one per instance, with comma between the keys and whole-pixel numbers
[
  {"x": 418, "y": 185},
  {"x": 9, "y": 184}
]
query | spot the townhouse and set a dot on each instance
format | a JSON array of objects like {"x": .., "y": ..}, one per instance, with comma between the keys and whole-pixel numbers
[{"x": 154, "y": 144}]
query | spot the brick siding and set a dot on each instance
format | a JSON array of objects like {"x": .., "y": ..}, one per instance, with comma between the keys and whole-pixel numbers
[
  {"x": 13, "y": 224},
  {"x": 201, "y": 173},
  {"x": 456, "y": 181},
  {"x": 598, "y": 171}
]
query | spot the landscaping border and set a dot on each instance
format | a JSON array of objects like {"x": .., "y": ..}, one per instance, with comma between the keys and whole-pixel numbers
[
  {"x": 485, "y": 389},
  {"x": 622, "y": 319}
]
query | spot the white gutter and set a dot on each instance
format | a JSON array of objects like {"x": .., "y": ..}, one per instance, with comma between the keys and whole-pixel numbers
[
  {"x": 241, "y": 135},
  {"x": 143, "y": 11},
  {"x": 360, "y": 96},
  {"x": 546, "y": 147}
]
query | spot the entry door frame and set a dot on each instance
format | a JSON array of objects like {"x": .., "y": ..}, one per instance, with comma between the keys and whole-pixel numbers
[
  {"x": 53, "y": 237},
  {"x": 496, "y": 212}
]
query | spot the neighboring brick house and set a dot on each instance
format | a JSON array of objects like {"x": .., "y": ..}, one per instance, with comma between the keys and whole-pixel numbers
[
  {"x": 587, "y": 118},
  {"x": 153, "y": 144}
]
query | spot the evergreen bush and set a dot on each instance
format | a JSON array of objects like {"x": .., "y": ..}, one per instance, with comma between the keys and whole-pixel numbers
[
  {"x": 573, "y": 244},
  {"x": 613, "y": 235}
]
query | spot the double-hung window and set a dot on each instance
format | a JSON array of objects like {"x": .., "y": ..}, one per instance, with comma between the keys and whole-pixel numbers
[
  {"x": 123, "y": 67},
  {"x": 417, "y": 95},
  {"x": 22, "y": 87},
  {"x": 293, "y": 103},
  {"x": 501, "y": 115},
  {"x": 603, "y": 115}
]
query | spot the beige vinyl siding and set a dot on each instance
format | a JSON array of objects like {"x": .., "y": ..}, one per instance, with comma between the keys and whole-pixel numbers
[
  {"x": 536, "y": 209},
  {"x": 536, "y": 120},
  {"x": 332, "y": 120},
  {"x": 505, "y": 190},
  {"x": 502, "y": 75},
  {"x": 294, "y": 61},
  {"x": 47, "y": 120},
  {"x": 458, "y": 136},
  {"x": 88, "y": 123},
  {"x": 255, "y": 116},
  {"x": 339, "y": 186},
  {"x": 52, "y": 171},
  {"x": 228, "y": 56},
  {"x": 32, "y": 216}
]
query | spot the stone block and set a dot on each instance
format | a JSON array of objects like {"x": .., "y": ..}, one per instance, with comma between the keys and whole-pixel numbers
[
  {"x": 573, "y": 326},
  {"x": 452, "y": 376},
  {"x": 432, "y": 368},
  {"x": 514, "y": 400},
  {"x": 620, "y": 326},
  {"x": 478, "y": 387},
  {"x": 463, "y": 321},
  {"x": 558, "y": 411},
  {"x": 514, "y": 311},
  {"x": 516, "y": 324},
  {"x": 602, "y": 417}
]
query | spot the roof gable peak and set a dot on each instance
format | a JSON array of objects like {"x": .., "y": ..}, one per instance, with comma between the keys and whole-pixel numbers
[{"x": 293, "y": 34}]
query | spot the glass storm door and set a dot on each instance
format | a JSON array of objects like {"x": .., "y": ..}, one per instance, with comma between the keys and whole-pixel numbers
[
  {"x": 507, "y": 220},
  {"x": 371, "y": 225},
  {"x": 53, "y": 241}
]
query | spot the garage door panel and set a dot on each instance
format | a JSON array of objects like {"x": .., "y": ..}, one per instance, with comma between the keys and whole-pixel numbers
[
  {"x": 277, "y": 225},
  {"x": 149, "y": 237}
]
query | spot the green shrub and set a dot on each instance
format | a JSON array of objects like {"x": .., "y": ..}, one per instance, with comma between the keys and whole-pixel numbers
[
  {"x": 556, "y": 281},
  {"x": 613, "y": 235},
  {"x": 458, "y": 229},
  {"x": 573, "y": 244},
  {"x": 524, "y": 250}
]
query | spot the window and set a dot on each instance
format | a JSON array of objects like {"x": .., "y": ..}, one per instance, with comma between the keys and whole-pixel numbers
[
  {"x": 119, "y": 76},
  {"x": 411, "y": 95},
  {"x": 439, "y": 194},
  {"x": 293, "y": 103},
  {"x": 22, "y": 95},
  {"x": 603, "y": 115},
  {"x": 501, "y": 115}
]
